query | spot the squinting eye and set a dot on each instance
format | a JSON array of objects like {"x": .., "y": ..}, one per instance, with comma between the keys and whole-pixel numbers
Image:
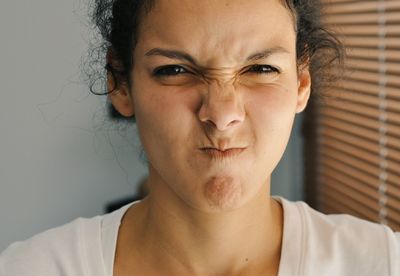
[
  {"x": 169, "y": 70},
  {"x": 262, "y": 69}
]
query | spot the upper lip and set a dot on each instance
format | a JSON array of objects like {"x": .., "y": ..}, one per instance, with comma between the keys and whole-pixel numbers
[
  {"x": 221, "y": 149},
  {"x": 221, "y": 144}
]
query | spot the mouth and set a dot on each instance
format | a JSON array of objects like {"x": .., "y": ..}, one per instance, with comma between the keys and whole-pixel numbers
[{"x": 217, "y": 153}]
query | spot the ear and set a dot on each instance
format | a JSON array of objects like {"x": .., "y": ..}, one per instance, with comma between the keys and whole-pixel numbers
[
  {"x": 120, "y": 95},
  {"x": 304, "y": 89}
]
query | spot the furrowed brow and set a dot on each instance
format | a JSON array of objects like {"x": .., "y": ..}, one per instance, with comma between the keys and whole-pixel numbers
[
  {"x": 171, "y": 54},
  {"x": 266, "y": 53}
]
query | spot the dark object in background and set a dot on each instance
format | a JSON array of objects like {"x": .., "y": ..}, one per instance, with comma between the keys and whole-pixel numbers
[
  {"x": 143, "y": 191},
  {"x": 115, "y": 205}
]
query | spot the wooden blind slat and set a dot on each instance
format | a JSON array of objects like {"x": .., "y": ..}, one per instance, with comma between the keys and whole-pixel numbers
[
  {"x": 356, "y": 150},
  {"x": 359, "y": 98},
  {"x": 392, "y": 80},
  {"x": 355, "y": 119},
  {"x": 329, "y": 207},
  {"x": 394, "y": 213},
  {"x": 363, "y": 110},
  {"x": 392, "y": 154},
  {"x": 345, "y": 180},
  {"x": 334, "y": 172},
  {"x": 343, "y": 199},
  {"x": 364, "y": 205},
  {"x": 351, "y": 161},
  {"x": 360, "y": 132},
  {"x": 365, "y": 6},
  {"x": 389, "y": 42},
  {"x": 366, "y": 87},
  {"x": 359, "y": 165},
  {"x": 393, "y": 190},
  {"x": 366, "y": 30},
  {"x": 391, "y": 55},
  {"x": 393, "y": 224},
  {"x": 335, "y": 2},
  {"x": 393, "y": 180},
  {"x": 374, "y": 65},
  {"x": 333, "y": 184},
  {"x": 358, "y": 176},
  {"x": 332, "y": 207},
  {"x": 362, "y": 18}
]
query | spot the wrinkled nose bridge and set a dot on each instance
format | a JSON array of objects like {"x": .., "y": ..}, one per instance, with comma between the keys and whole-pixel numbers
[
  {"x": 221, "y": 89},
  {"x": 220, "y": 76},
  {"x": 221, "y": 106},
  {"x": 220, "y": 84}
]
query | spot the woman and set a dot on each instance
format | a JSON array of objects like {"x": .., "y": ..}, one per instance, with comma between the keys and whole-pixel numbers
[{"x": 214, "y": 87}]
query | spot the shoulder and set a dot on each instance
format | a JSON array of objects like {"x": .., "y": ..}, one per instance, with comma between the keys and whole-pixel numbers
[
  {"x": 349, "y": 245},
  {"x": 57, "y": 251},
  {"x": 344, "y": 244}
]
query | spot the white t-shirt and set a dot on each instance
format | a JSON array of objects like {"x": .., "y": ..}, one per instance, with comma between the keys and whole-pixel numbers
[{"x": 313, "y": 244}]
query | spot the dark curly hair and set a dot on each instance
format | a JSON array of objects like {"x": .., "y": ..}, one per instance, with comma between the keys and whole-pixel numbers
[{"x": 118, "y": 21}]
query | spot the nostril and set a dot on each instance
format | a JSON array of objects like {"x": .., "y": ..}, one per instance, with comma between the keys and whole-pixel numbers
[
  {"x": 211, "y": 123},
  {"x": 234, "y": 122},
  {"x": 220, "y": 112},
  {"x": 221, "y": 125},
  {"x": 222, "y": 120}
]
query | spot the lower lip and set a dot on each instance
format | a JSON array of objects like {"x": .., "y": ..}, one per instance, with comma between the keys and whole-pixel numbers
[{"x": 214, "y": 153}]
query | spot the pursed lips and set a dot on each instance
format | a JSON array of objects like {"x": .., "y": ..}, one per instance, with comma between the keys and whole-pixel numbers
[{"x": 219, "y": 153}]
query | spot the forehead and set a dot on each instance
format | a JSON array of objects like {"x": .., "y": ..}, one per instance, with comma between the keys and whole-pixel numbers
[{"x": 219, "y": 28}]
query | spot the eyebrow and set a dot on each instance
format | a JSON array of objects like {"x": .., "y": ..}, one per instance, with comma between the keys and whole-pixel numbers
[
  {"x": 266, "y": 53},
  {"x": 173, "y": 54}
]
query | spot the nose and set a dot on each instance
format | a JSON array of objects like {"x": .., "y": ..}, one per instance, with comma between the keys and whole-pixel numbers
[{"x": 222, "y": 107}]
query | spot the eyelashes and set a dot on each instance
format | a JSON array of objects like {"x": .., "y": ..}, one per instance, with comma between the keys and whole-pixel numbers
[
  {"x": 169, "y": 71},
  {"x": 262, "y": 69},
  {"x": 176, "y": 70}
]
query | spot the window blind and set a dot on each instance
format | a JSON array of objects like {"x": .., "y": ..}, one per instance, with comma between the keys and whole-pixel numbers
[{"x": 353, "y": 137}]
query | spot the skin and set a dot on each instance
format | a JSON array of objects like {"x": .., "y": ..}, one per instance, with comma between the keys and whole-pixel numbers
[{"x": 209, "y": 212}]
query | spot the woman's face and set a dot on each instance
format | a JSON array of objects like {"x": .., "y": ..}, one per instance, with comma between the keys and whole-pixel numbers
[{"x": 215, "y": 91}]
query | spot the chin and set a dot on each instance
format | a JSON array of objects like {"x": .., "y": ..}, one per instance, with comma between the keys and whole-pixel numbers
[{"x": 224, "y": 193}]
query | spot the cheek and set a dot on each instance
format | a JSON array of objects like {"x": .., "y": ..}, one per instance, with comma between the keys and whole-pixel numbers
[
  {"x": 271, "y": 106},
  {"x": 271, "y": 112},
  {"x": 150, "y": 105},
  {"x": 163, "y": 114}
]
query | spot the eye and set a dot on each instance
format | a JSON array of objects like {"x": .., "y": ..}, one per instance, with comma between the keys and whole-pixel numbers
[
  {"x": 169, "y": 70},
  {"x": 262, "y": 69}
]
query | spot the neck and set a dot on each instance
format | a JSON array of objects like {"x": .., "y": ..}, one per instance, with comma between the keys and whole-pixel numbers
[{"x": 198, "y": 243}]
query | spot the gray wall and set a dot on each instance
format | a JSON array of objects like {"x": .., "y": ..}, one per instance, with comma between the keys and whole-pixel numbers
[
  {"x": 287, "y": 179},
  {"x": 59, "y": 156},
  {"x": 59, "y": 159}
]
